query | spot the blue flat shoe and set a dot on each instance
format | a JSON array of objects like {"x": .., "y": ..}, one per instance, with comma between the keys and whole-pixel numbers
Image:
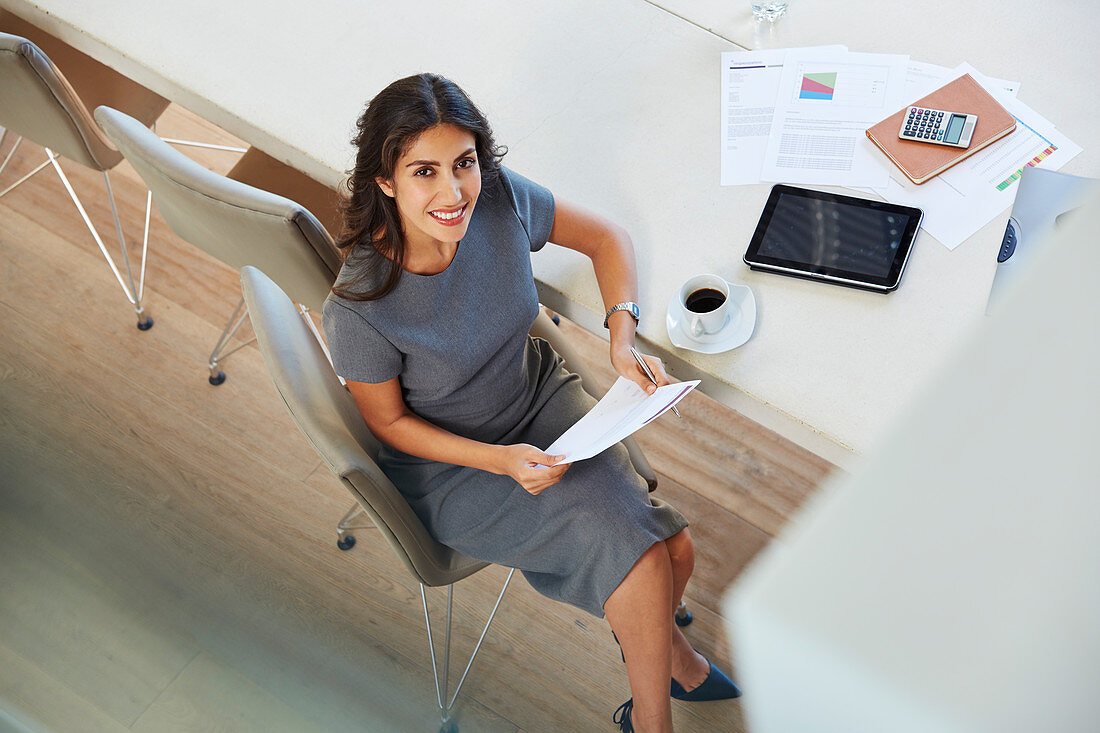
[
  {"x": 622, "y": 717},
  {"x": 717, "y": 686}
]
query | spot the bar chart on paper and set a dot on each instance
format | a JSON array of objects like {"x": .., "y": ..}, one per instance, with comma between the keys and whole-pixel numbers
[
  {"x": 1001, "y": 164},
  {"x": 842, "y": 85},
  {"x": 1032, "y": 142}
]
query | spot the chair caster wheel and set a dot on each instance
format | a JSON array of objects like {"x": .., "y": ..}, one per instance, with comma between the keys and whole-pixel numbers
[
  {"x": 684, "y": 620},
  {"x": 145, "y": 324},
  {"x": 346, "y": 542},
  {"x": 216, "y": 379}
]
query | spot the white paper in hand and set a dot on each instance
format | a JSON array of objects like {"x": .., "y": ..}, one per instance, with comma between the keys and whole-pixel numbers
[{"x": 624, "y": 409}]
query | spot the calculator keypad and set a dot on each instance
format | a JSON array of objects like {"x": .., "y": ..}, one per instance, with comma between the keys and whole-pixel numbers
[{"x": 924, "y": 124}]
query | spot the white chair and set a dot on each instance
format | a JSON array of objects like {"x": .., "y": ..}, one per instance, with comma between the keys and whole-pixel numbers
[
  {"x": 324, "y": 411},
  {"x": 50, "y": 108},
  {"x": 236, "y": 223}
]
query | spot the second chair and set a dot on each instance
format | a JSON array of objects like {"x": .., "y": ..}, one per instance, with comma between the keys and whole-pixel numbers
[{"x": 232, "y": 221}]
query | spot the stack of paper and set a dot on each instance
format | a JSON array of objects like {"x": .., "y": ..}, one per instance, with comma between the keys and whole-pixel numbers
[
  {"x": 800, "y": 115},
  {"x": 966, "y": 197},
  {"x": 623, "y": 410}
]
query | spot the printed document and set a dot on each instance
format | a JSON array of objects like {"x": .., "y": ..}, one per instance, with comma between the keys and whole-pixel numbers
[
  {"x": 967, "y": 196},
  {"x": 750, "y": 82},
  {"x": 826, "y": 102},
  {"x": 623, "y": 410}
]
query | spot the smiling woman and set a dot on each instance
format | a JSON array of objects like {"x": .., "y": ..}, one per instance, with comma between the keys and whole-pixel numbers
[
  {"x": 428, "y": 322},
  {"x": 420, "y": 127},
  {"x": 437, "y": 198}
]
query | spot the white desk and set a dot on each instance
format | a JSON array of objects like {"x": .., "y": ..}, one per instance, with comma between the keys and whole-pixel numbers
[{"x": 616, "y": 105}]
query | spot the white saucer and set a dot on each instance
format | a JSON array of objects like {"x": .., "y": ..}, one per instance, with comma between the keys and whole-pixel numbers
[{"x": 738, "y": 329}]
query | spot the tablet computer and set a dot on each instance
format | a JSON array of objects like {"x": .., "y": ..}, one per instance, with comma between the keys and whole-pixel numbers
[{"x": 833, "y": 238}]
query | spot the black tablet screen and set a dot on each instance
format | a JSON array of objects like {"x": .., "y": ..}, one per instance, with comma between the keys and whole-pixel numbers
[{"x": 835, "y": 235}]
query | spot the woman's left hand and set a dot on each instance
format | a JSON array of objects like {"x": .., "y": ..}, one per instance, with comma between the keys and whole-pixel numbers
[{"x": 626, "y": 365}]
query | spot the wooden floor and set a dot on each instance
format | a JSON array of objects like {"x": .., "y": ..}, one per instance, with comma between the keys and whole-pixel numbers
[{"x": 167, "y": 553}]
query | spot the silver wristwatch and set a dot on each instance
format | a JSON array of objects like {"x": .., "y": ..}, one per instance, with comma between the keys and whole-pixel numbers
[{"x": 628, "y": 306}]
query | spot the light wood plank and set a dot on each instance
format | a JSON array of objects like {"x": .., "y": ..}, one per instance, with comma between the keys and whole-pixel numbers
[
  {"x": 60, "y": 618},
  {"x": 208, "y": 695},
  {"x": 34, "y": 700}
]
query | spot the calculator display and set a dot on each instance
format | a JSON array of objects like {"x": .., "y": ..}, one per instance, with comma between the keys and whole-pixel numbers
[{"x": 954, "y": 128}]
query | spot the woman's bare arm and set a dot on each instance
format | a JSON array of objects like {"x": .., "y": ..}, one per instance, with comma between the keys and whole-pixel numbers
[
  {"x": 393, "y": 423},
  {"x": 612, "y": 254}
]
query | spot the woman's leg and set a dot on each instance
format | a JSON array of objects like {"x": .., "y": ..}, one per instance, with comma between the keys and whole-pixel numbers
[
  {"x": 640, "y": 616},
  {"x": 689, "y": 668},
  {"x": 681, "y": 552}
]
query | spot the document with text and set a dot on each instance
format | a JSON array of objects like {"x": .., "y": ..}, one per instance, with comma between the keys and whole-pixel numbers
[
  {"x": 966, "y": 197},
  {"x": 826, "y": 102},
  {"x": 622, "y": 411},
  {"x": 750, "y": 82}
]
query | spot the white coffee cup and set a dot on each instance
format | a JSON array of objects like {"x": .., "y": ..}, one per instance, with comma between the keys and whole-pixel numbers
[{"x": 704, "y": 304}]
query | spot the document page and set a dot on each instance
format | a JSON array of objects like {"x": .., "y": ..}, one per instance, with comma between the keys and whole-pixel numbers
[
  {"x": 826, "y": 102},
  {"x": 966, "y": 197},
  {"x": 750, "y": 82},
  {"x": 623, "y": 410}
]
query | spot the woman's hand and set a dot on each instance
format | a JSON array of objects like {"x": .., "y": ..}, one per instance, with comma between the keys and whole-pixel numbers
[
  {"x": 526, "y": 464},
  {"x": 626, "y": 365}
]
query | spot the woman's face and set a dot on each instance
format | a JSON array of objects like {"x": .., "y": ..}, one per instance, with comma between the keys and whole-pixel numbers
[{"x": 435, "y": 185}]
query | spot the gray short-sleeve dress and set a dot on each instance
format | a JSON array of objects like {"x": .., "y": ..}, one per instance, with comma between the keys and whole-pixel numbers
[{"x": 459, "y": 342}]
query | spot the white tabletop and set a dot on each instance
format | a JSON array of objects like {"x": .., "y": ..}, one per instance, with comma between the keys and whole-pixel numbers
[{"x": 615, "y": 105}]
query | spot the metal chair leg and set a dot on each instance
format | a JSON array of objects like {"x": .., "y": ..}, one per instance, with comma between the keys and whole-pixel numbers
[
  {"x": 14, "y": 147},
  {"x": 344, "y": 540},
  {"x": 216, "y": 356},
  {"x": 683, "y": 615},
  {"x": 447, "y": 725},
  {"x": 7, "y": 159},
  {"x": 132, "y": 292},
  {"x": 193, "y": 144},
  {"x": 209, "y": 146}
]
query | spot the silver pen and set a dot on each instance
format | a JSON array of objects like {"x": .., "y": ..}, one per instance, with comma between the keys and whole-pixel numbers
[{"x": 648, "y": 373}]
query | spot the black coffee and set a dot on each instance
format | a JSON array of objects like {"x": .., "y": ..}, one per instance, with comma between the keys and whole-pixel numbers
[{"x": 705, "y": 300}]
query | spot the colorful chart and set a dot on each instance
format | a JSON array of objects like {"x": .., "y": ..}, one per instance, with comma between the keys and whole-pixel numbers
[
  {"x": 818, "y": 86},
  {"x": 1031, "y": 163}
]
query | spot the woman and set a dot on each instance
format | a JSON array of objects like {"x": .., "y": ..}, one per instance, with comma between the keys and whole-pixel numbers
[{"x": 428, "y": 323}]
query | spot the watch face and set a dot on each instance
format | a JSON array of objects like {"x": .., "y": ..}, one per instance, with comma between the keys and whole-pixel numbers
[{"x": 631, "y": 308}]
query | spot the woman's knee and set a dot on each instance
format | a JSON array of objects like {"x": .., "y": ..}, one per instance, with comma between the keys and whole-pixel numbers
[
  {"x": 681, "y": 549},
  {"x": 652, "y": 563}
]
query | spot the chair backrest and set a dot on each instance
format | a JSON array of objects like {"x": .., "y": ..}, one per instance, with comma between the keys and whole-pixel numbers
[
  {"x": 324, "y": 411},
  {"x": 95, "y": 83},
  {"x": 236, "y": 223},
  {"x": 38, "y": 103}
]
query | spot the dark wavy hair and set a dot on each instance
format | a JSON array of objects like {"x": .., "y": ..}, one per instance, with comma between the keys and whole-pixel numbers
[{"x": 373, "y": 240}]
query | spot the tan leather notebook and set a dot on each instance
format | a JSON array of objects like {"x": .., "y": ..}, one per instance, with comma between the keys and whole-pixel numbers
[{"x": 920, "y": 161}]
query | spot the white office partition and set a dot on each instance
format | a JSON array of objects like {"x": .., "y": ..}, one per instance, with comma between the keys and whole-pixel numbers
[{"x": 952, "y": 581}]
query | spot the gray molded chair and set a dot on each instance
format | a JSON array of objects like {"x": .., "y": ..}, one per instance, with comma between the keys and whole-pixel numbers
[
  {"x": 236, "y": 223},
  {"x": 39, "y": 102},
  {"x": 325, "y": 412}
]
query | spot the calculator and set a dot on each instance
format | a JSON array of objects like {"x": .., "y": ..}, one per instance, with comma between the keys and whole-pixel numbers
[{"x": 938, "y": 126}]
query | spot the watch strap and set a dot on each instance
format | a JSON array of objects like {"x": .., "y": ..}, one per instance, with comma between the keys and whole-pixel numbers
[{"x": 629, "y": 306}]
